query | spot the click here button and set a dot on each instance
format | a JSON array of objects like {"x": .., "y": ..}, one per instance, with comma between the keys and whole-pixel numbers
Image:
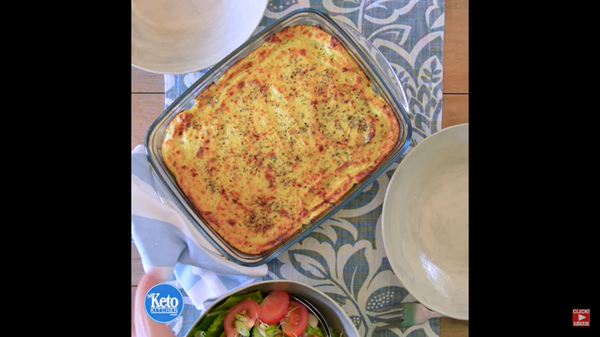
[{"x": 581, "y": 317}]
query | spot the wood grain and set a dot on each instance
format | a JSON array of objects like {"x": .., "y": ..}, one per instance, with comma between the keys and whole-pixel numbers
[
  {"x": 144, "y": 111},
  {"x": 450, "y": 327},
  {"x": 456, "y": 47},
  {"x": 455, "y": 109},
  {"x": 145, "y": 82}
]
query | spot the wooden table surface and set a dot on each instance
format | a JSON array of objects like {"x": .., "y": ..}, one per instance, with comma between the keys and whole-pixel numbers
[{"x": 148, "y": 101}]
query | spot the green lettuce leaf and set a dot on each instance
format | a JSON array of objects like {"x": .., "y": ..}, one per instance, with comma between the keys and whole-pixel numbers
[
  {"x": 212, "y": 323},
  {"x": 313, "y": 331},
  {"x": 216, "y": 327}
]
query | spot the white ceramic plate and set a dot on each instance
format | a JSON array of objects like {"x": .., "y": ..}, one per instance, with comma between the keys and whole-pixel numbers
[
  {"x": 182, "y": 36},
  {"x": 425, "y": 222}
]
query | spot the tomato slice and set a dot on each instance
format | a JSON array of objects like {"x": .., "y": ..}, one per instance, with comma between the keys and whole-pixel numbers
[
  {"x": 274, "y": 306},
  {"x": 295, "y": 319},
  {"x": 247, "y": 308}
]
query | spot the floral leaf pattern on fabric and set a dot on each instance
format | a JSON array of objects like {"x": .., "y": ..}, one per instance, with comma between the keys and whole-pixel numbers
[
  {"x": 310, "y": 264},
  {"x": 353, "y": 278}
]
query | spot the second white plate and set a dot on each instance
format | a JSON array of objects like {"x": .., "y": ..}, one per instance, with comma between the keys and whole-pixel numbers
[{"x": 425, "y": 222}]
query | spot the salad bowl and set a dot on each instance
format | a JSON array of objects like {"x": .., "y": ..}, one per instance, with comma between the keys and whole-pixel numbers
[{"x": 333, "y": 320}]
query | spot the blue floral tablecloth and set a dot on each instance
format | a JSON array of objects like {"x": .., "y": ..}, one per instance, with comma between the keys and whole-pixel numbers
[{"x": 345, "y": 257}]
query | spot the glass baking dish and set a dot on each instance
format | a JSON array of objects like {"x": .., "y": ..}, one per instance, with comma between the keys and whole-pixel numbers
[{"x": 373, "y": 63}]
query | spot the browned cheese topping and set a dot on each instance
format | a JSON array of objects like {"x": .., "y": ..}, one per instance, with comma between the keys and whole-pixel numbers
[{"x": 283, "y": 135}]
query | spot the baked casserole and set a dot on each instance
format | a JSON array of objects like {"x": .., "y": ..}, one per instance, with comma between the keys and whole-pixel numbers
[{"x": 283, "y": 134}]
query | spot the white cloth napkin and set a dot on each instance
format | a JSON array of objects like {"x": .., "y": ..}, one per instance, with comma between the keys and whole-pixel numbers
[{"x": 166, "y": 239}]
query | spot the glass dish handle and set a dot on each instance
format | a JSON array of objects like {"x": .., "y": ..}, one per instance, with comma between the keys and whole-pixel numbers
[{"x": 379, "y": 61}]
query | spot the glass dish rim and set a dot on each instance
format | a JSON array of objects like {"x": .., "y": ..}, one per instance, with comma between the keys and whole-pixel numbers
[{"x": 156, "y": 167}]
